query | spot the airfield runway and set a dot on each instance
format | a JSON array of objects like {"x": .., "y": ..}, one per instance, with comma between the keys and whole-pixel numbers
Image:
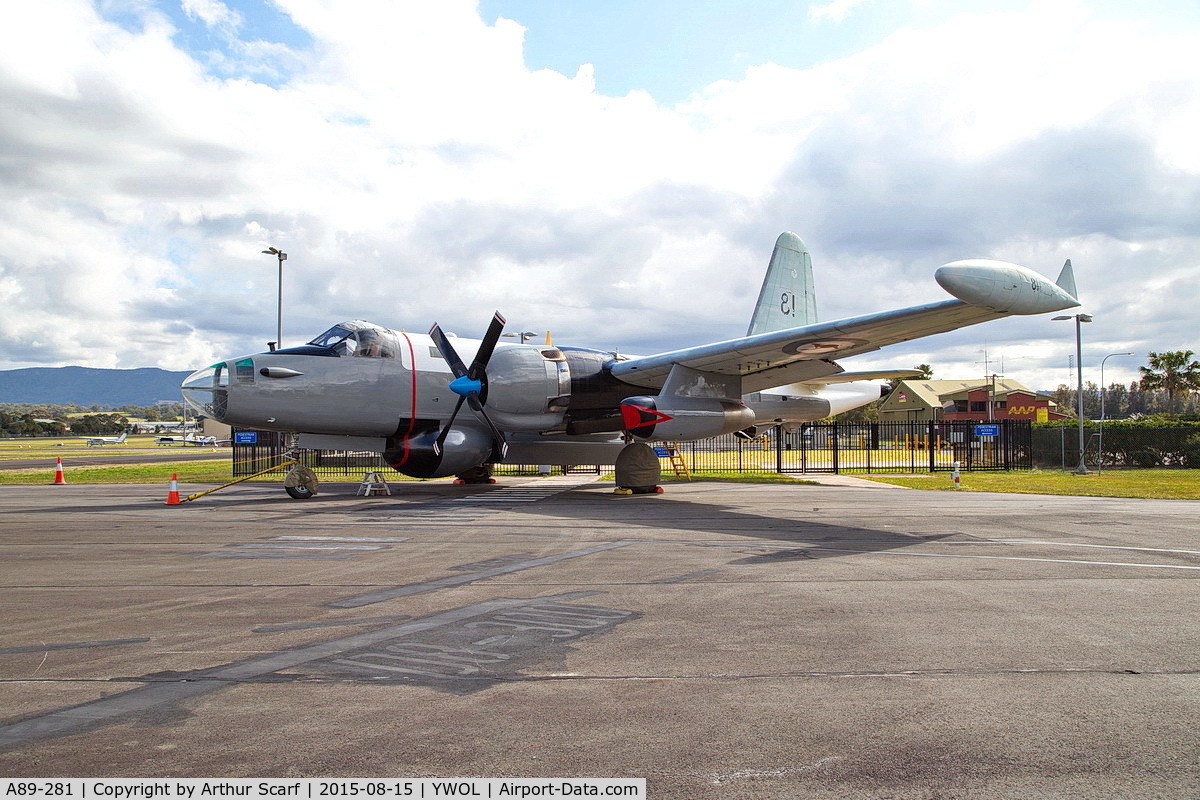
[{"x": 721, "y": 640}]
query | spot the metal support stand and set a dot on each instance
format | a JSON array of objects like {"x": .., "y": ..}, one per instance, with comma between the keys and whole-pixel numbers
[{"x": 373, "y": 484}]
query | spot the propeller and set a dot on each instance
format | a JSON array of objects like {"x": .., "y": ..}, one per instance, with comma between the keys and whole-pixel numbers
[{"x": 470, "y": 383}]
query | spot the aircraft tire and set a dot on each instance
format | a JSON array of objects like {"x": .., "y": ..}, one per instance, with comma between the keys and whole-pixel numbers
[
  {"x": 300, "y": 483},
  {"x": 299, "y": 492}
]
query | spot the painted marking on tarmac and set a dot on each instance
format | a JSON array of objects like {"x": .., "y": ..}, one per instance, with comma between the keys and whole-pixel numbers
[
  {"x": 458, "y": 580},
  {"x": 470, "y": 656},
  {"x": 333, "y": 623},
  {"x": 300, "y": 546},
  {"x": 472, "y": 507},
  {"x": 310, "y": 547},
  {"x": 171, "y": 690},
  {"x": 361, "y": 539},
  {"x": 41, "y": 648},
  {"x": 264, "y": 554}
]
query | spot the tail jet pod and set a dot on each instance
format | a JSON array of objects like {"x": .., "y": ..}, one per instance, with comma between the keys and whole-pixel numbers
[
  {"x": 665, "y": 419},
  {"x": 1010, "y": 288}
]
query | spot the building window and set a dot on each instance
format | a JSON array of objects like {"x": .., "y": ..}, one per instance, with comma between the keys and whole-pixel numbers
[{"x": 978, "y": 405}]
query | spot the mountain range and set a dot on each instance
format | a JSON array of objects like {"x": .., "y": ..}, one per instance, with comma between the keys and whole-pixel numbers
[{"x": 87, "y": 386}]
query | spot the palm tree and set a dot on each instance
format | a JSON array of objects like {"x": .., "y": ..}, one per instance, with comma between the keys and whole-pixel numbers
[{"x": 1171, "y": 372}]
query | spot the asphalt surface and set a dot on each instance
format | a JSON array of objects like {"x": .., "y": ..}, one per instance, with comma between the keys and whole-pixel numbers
[
  {"x": 99, "y": 457},
  {"x": 720, "y": 640}
]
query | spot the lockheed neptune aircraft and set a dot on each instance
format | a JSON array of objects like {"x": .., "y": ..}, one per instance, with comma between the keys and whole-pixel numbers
[{"x": 364, "y": 387}]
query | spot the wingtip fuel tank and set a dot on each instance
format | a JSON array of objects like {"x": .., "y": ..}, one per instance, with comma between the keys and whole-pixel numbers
[{"x": 1006, "y": 288}]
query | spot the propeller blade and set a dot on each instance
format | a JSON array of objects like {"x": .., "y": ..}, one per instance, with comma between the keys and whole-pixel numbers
[
  {"x": 441, "y": 440},
  {"x": 486, "y": 347},
  {"x": 499, "y": 445},
  {"x": 448, "y": 352}
]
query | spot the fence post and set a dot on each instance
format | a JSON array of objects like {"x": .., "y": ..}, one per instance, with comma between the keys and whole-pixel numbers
[
  {"x": 837, "y": 444},
  {"x": 779, "y": 434},
  {"x": 804, "y": 428},
  {"x": 930, "y": 433}
]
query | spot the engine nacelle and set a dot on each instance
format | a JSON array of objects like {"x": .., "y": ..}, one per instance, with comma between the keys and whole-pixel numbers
[
  {"x": 414, "y": 456},
  {"x": 529, "y": 388},
  {"x": 664, "y": 419}
]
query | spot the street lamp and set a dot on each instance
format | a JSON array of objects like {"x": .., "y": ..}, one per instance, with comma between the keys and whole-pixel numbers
[
  {"x": 282, "y": 256},
  {"x": 1103, "y": 385},
  {"x": 1103, "y": 390},
  {"x": 1079, "y": 318},
  {"x": 525, "y": 335}
]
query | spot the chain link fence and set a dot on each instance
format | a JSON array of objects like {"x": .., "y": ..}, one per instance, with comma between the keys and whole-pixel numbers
[{"x": 1118, "y": 445}]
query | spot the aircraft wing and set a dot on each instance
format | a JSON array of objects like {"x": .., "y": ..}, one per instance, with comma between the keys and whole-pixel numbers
[
  {"x": 989, "y": 290},
  {"x": 873, "y": 375}
]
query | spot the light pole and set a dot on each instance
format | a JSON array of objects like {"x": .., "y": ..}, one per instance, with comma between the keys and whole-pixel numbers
[
  {"x": 1079, "y": 318},
  {"x": 282, "y": 256},
  {"x": 525, "y": 335},
  {"x": 1103, "y": 390},
  {"x": 1103, "y": 385}
]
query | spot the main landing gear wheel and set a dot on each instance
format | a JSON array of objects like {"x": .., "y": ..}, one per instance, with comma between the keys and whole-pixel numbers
[
  {"x": 638, "y": 470},
  {"x": 301, "y": 483},
  {"x": 480, "y": 474}
]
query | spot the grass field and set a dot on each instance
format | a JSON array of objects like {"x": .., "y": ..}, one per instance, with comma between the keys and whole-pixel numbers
[
  {"x": 1168, "y": 484},
  {"x": 1176, "y": 484}
]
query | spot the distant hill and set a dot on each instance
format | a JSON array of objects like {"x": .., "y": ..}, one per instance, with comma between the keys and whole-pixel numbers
[{"x": 87, "y": 386}]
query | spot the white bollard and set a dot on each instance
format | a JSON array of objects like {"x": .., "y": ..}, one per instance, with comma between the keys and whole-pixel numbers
[{"x": 955, "y": 476}]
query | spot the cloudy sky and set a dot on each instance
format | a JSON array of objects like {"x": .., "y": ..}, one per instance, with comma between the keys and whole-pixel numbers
[{"x": 614, "y": 172}]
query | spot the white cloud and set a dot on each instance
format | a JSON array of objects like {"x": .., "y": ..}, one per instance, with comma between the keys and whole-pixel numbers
[
  {"x": 212, "y": 13},
  {"x": 835, "y": 11},
  {"x": 414, "y": 168}
]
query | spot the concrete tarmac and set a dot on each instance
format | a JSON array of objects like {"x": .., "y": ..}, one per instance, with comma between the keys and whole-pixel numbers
[{"x": 720, "y": 640}]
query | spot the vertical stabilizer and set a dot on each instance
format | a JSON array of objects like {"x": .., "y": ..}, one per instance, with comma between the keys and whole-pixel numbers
[
  {"x": 1066, "y": 280},
  {"x": 787, "y": 299}
]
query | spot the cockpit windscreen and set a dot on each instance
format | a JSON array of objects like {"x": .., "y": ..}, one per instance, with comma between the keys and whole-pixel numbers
[{"x": 359, "y": 339}]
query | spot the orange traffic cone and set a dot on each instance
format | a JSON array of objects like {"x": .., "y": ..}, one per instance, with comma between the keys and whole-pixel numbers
[
  {"x": 59, "y": 478},
  {"x": 173, "y": 494}
]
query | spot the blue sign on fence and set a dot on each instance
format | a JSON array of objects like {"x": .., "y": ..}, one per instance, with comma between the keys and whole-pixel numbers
[
  {"x": 987, "y": 430},
  {"x": 246, "y": 437}
]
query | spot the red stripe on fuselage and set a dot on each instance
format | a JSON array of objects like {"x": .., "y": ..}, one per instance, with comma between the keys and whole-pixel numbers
[{"x": 412, "y": 403}]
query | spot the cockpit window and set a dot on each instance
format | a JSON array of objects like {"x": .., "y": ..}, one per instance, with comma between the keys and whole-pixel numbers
[
  {"x": 331, "y": 337},
  {"x": 359, "y": 339}
]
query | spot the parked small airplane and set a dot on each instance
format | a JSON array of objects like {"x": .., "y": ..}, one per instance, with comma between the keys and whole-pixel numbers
[
  {"x": 363, "y": 387},
  {"x": 193, "y": 439},
  {"x": 100, "y": 441}
]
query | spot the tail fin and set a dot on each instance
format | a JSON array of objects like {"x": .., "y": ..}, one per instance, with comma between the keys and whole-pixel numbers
[
  {"x": 1066, "y": 280},
  {"x": 787, "y": 299}
]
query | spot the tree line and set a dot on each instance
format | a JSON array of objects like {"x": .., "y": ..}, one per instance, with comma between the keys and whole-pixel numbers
[{"x": 52, "y": 419}]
